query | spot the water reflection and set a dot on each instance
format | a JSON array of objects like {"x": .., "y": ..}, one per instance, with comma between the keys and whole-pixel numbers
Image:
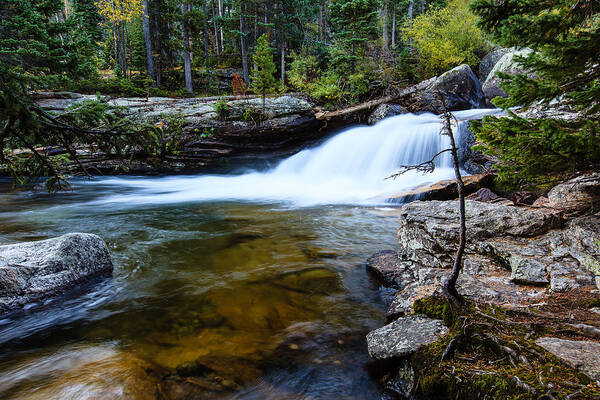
[{"x": 232, "y": 299}]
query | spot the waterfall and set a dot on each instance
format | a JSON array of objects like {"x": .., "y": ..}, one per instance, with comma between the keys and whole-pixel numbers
[{"x": 349, "y": 168}]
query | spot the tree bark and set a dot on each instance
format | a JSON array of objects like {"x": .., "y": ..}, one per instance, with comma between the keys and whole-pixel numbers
[
  {"x": 217, "y": 38},
  {"x": 187, "y": 55},
  {"x": 450, "y": 281},
  {"x": 385, "y": 41},
  {"x": 123, "y": 49},
  {"x": 321, "y": 21},
  {"x": 220, "y": 5},
  {"x": 393, "y": 26},
  {"x": 206, "y": 57},
  {"x": 147, "y": 41},
  {"x": 283, "y": 61},
  {"x": 244, "y": 44}
]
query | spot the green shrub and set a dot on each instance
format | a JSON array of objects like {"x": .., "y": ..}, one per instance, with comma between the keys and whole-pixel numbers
[
  {"x": 303, "y": 71},
  {"x": 444, "y": 38},
  {"x": 222, "y": 109}
]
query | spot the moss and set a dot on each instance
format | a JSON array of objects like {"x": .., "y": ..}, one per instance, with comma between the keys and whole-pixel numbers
[
  {"x": 595, "y": 303},
  {"x": 481, "y": 367},
  {"x": 437, "y": 308}
]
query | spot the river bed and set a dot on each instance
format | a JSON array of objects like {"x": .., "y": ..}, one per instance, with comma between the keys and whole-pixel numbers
[{"x": 277, "y": 292}]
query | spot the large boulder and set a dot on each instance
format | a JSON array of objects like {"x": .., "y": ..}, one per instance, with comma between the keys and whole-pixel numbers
[
  {"x": 490, "y": 60},
  {"x": 514, "y": 255},
  {"x": 384, "y": 111},
  {"x": 35, "y": 271},
  {"x": 459, "y": 87},
  {"x": 583, "y": 191},
  {"x": 508, "y": 65},
  {"x": 404, "y": 337},
  {"x": 428, "y": 230}
]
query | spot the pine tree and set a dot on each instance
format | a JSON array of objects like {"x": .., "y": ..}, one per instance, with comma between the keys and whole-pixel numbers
[
  {"x": 563, "y": 69},
  {"x": 263, "y": 75},
  {"x": 355, "y": 22}
]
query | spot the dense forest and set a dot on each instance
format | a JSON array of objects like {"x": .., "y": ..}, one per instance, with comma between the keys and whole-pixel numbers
[{"x": 336, "y": 53}]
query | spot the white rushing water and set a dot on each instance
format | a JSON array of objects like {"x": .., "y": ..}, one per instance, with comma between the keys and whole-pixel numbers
[{"x": 349, "y": 168}]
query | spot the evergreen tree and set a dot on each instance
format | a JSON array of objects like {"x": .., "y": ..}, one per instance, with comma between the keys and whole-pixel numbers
[
  {"x": 263, "y": 75},
  {"x": 564, "y": 69},
  {"x": 355, "y": 22}
]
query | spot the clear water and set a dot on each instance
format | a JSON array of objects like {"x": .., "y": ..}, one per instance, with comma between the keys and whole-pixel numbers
[{"x": 260, "y": 275}]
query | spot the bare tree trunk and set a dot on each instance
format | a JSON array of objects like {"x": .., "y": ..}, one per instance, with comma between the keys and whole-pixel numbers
[
  {"x": 220, "y": 5},
  {"x": 321, "y": 20},
  {"x": 450, "y": 281},
  {"x": 393, "y": 26},
  {"x": 411, "y": 11},
  {"x": 123, "y": 49},
  {"x": 385, "y": 42},
  {"x": 244, "y": 44},
  {"x": 147, "y": 40},
  {"x": 187, "y": 55},
  {"x": 283, "y": 61},
  {"x": 217, "y": 38},
  {"x": 205, "y": 12},
  {"x": 116, "y": 47}
]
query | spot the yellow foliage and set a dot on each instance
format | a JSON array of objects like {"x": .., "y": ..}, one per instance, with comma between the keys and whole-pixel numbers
[
  {"x": 120, "y": 10},
  {"x": 446, "y": 37}
]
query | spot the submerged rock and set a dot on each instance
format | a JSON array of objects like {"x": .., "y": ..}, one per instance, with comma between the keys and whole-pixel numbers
[
  {"x": 35, "y": 271},
  {"x": 404, "y": 336},
  {"x": 583, "y": 355}
]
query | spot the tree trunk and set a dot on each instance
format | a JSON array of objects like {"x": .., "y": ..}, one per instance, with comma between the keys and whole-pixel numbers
[
  {"x": 411, "y": 10},
  {"x": 123, "y": 49},
  {"x": 220, "y": 5},
  {"x": 244, "y": 44},
  {"x": 187, "y": 55},
  {"x": 116, "y": 47},
  {"x": 283, "y": 61},
  {"x": 147, "y": 41},
  {"x": 217, "y": 38},
  {"x": 450, "y": 282},
  {"x": 393, "y": 26},
  {"x": 385, "y": 42},
  {"x": 205, "y": 12},
  {"x": 321, "y": 21}
]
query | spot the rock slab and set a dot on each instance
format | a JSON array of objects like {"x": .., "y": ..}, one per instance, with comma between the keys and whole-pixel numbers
[
  {"x": 582, "y": 355},
  {"x": 35, "y": 271},
  {"x": 404, "y": 336}
]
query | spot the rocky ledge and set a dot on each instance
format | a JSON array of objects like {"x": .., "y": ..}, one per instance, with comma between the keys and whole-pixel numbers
[
  {"x": 518, "y": 259},
  {"x": 36, "y": 271}
]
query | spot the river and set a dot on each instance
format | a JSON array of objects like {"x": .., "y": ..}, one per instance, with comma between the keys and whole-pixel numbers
[{"x": 259, "y": 276}]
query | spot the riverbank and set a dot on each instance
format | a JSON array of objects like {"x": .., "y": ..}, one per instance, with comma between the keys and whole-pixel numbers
[
  {"x": 528, "y": 327},
  {"x": 225, "y": 134}
]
